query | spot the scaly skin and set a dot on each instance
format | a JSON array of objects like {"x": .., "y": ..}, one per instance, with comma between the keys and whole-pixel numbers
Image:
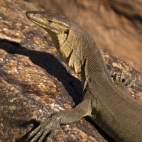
[{"x": 109, "y": 106}]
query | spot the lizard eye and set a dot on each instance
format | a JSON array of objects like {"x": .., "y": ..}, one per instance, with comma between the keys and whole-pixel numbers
[
  {"x": 50, "y": 21},
  {"x": 66, "y": 31}
]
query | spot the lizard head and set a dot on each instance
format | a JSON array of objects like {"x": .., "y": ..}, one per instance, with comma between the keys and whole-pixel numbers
[
  {"x": 55, "y": 24},
  {"x": 64, "y": 33}
]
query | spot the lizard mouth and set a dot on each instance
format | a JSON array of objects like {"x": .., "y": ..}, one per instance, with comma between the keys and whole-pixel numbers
[{"x": 36, "y": 18}]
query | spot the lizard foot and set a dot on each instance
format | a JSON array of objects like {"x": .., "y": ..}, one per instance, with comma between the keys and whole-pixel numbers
[{"x": 45, "y": 127}]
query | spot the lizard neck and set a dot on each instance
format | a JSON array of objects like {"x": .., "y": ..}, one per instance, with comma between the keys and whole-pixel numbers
[{"x": 93, "y": 68}]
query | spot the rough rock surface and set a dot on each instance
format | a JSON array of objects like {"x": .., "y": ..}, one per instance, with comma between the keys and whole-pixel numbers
[
  {"x": 116, "y": 25},
  {"x": 35, "y": 84}
]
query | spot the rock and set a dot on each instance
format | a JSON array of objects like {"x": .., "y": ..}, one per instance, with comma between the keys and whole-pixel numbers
[{"x": 35, "y": 84}]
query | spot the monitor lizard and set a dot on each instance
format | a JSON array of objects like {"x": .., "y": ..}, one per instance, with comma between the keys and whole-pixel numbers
[{"x": 109, "y": 106}]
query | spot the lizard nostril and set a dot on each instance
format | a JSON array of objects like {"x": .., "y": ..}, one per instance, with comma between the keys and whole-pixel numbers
[{"x": 50, "y": 21}]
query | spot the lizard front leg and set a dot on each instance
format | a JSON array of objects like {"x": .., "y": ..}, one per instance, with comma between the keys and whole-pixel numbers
[{"x": 64, "y": 117}]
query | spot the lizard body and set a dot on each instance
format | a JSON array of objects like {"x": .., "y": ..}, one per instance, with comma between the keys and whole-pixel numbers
[{"x": 109, "y": 106}]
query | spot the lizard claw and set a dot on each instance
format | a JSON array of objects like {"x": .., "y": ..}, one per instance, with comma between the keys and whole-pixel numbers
[
  {"x": 37, "y": 120},
  {"x": 44, "y": 128}
]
